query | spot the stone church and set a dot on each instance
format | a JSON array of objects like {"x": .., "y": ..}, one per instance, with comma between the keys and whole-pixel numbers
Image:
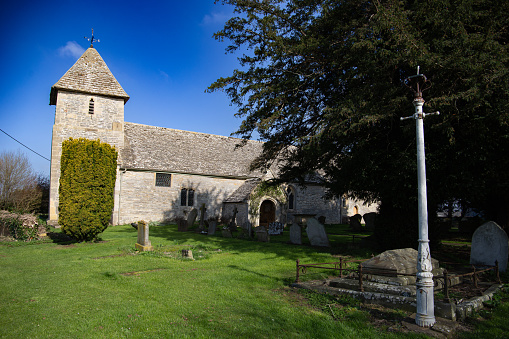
[{"x": 163, "y": 173}]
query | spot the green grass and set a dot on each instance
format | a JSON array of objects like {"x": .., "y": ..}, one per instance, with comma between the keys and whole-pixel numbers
[
  {"x": 233, "y": 288},
  {"x": 491, "y": 322}
]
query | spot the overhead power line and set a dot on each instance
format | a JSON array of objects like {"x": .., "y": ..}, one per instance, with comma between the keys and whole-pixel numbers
[{"x": 42, "y": 156}]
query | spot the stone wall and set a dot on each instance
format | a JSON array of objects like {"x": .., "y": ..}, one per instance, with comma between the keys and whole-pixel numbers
[
  {"x": 242, "y": 218},
  {"x": 353, "y": 206},
  {"x": 72, "y": 119},
  {"x": 310, "y": 200},
  {"x": 139, "y": 199}
]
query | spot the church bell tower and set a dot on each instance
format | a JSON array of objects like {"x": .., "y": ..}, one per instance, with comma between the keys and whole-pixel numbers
[{"x": 89, "y": 104}]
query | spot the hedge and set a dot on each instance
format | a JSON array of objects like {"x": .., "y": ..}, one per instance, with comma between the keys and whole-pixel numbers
[{"x": 87, "y": 183}]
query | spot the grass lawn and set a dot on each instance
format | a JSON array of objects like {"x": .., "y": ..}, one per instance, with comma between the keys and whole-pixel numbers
[{"x": 233, "y": 288}]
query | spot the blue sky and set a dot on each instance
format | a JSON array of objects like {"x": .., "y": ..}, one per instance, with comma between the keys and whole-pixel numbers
[{"x": 161, "y": 52}]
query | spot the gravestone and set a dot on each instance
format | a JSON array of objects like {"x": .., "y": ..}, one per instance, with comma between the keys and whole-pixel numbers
[
  {"x": 295, "y": 234},
  {"x": 143, "y": 243},
  {"x": 191, "y": 218},
  {"x": 275, "y": 228},
  {"x": 233, "y": 224},
  {"x": 187, "y": 254},
  {"x": 262, "y": 234},
  {"x": 489, "y": 244},
  {"x": 369, "y": 219},
  {"x": 316, "y": 233},
  {"x": 355, "y": 222},
  {"x": 202, "y": 217},
  {"x": 226, "y": 233},
  {"x": 212, "y": 227},
  {"x": 246, "y": 226},
  {"x": 182, "y": 225}
]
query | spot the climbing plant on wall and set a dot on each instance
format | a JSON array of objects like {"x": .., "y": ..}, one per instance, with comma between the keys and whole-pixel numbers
[
  {"x": 265, "y": 190},
  {"x": 87, "y": 183}
]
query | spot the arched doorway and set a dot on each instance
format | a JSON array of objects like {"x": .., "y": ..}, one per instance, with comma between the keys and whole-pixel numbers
[{"x": 267, "y": 213}]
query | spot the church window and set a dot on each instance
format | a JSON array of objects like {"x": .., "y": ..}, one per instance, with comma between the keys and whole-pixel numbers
[
  {"x": 163, "y": 179},
  {"x": 291, "y": 198},
  {"x": 91, "y": 106},
  {"x": 186, "y": 197}
]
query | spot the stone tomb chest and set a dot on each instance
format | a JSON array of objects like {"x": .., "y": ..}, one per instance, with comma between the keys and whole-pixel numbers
[{"x": 391, "y": 267}]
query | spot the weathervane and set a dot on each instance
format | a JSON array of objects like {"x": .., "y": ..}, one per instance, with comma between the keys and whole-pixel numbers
[
  {"x": 92, "y": 39},
  {"x": 425, "y": 315}
]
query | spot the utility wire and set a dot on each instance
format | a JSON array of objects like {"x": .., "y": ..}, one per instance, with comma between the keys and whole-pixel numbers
[{"x": 24, "y": 145}]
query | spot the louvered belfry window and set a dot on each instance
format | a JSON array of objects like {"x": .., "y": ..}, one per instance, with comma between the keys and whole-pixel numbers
[{"x": 91, "y": 106}]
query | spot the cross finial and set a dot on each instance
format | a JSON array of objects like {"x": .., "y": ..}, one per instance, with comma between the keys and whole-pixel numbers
[{"x": 92, "y": 39}]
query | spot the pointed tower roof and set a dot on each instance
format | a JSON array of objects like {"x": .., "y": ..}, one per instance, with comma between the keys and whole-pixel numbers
[{"x": 89, "y": 74}]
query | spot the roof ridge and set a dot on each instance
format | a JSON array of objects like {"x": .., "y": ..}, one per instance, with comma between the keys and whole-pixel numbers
[{"x": 192, "y": 132}]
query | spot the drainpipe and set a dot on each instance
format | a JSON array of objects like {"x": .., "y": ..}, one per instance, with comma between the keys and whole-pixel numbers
[{"x": 120, "y": 194}]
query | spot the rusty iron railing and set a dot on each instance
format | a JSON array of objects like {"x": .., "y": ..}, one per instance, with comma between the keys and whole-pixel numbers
[{"x": 341, "y": 267}]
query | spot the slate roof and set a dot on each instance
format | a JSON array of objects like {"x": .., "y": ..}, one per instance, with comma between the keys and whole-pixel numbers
[
  {"x": 89, "y": 74},
  {"x": 242, "y": 193},
  {"x": 165, "y": 149}
]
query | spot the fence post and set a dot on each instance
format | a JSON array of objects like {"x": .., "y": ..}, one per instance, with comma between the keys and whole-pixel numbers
[
  {"x": 297, "y": 276},
  {"x": 341, "y": 267},
  {"x": 497, "y": 272},
  {"x": 446, "y": 287},
  {"x": 360, "y": 278},
  {"x": 475, "y": 277}
]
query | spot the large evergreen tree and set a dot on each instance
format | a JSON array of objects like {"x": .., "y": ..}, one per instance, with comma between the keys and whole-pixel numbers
[{"x": 322, "y": 82}]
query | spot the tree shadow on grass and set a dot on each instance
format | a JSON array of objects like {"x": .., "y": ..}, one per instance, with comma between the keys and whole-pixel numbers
[
  {"x": 279, "y": 248},
  {"x": 262, "y": 275},
  {"x": 60, "y": 238}
]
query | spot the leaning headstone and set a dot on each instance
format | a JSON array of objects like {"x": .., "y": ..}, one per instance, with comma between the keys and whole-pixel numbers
[
  {"x": 316, "y": 233},
  {"x": 369, "y": 220},
  {"x": 212, "y": 227},
  {"x": 295, "y": 234},
  {"x": 262, "y": 234},
  {"x": 143, "y": 243},
  {"x": 275, "y": 228},
  {"x": 355, "y": 222},
  {"x": 489, "y": 244},
  {"x": 191, "y": 218}
]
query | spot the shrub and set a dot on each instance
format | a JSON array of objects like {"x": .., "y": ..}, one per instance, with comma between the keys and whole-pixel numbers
[
  {"x": 87, "y": 183},
  {"x": 25, "y": 227}
]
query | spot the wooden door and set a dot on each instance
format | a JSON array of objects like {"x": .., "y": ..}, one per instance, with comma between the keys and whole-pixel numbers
[{"x": 267, "y": 213}]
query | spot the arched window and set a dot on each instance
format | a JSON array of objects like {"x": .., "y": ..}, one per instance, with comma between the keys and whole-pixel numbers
[
  {"x": 91, "y": 106},
  {"x": 291, "y": 198}
]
